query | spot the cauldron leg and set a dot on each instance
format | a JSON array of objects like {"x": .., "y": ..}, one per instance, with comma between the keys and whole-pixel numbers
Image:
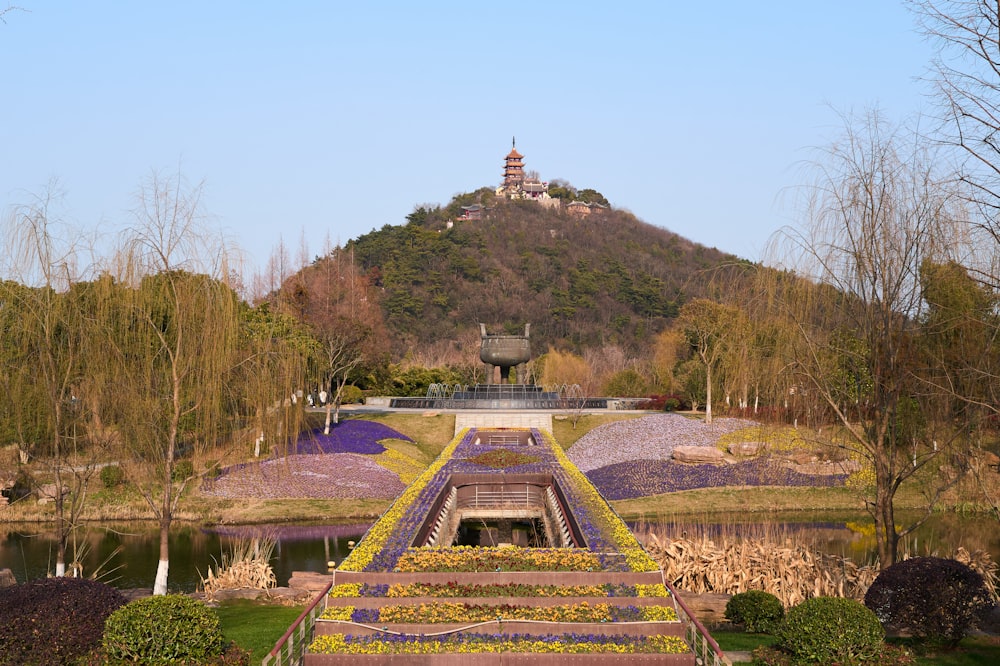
[{"x": 504, "y": 374}]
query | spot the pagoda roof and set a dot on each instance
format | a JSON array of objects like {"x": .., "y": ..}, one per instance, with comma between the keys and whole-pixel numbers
[{"x": 513, "y": 154}]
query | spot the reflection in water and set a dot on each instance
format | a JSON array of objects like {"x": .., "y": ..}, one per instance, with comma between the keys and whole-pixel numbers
[
  {"x": 848, "y": 536},
  {"x": 29, "y": 551},
  {"x": 125, "y": 555}
]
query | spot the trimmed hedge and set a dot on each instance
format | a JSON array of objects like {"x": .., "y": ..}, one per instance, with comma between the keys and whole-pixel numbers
[
  {"x": 830, "y": 630},
  {"x": 930, "y": 598},
  {"x": 172, "y": 628},
  {"x": 759, "y": 612},
  {"x": 54, "y": 620}
]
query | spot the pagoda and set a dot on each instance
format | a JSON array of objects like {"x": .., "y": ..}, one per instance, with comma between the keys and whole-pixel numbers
[{"x": 513, "y": 171}]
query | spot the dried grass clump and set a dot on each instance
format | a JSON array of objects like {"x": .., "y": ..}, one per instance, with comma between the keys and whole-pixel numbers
[
  {"x": 793, "y": 573},
  {"x": 246, "y": 566}
]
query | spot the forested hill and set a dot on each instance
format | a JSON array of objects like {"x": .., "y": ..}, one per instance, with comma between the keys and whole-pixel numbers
[{"x": 608, "y": 278}]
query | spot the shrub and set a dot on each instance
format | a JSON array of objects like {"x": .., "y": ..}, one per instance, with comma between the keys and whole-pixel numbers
[
  {"x": 351, "y": 395},
  {"x": 929, "y": 598},
  {"x": 112, "y": 475},
  {"x": 828, "y": 630},
  {"x": 183, "y": 469},
  {"x": 54, "y": 620},
  {"x": 21, "y": 487},
  {"x": 759, "y": 612},
  {"x": 164, "y": 629}
]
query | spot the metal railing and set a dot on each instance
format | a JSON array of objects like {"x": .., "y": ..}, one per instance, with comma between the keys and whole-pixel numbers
[
  {"x": 706, "y": 651},
  {"x": 290, "y": 648},
  {"x": 528, "y": 497}
]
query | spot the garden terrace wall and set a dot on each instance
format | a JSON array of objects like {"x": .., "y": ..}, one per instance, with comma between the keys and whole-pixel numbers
[{"x": 501, "y": 659}]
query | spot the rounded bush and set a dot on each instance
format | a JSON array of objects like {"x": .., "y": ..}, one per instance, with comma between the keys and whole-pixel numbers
[
  {"x": 828, "y": 630},
  {"x": 54, "y": 620},
  {"x": 929, "y": 598},
  {"x": 171, "y": 628},
  {"x": 112, "y": 475},
  {"x": 183, "y": 469},
  {"x": 758, "y": 611}
]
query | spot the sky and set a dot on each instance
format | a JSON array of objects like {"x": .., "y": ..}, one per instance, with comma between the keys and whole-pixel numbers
[{"x": 307, "y": 122}]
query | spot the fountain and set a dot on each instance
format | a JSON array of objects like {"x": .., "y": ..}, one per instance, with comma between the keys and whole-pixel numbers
[{"x": 503, "y": 352}]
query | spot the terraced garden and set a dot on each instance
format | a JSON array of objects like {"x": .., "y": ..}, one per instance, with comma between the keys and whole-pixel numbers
[{"x": 589, "y": 588}]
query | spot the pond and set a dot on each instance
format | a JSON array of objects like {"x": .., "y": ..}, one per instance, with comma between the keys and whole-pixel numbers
[
  {"x": 848, "y": 535},
  {"x": 126, "y": 554},
  {"x": 29, "y": 550}
]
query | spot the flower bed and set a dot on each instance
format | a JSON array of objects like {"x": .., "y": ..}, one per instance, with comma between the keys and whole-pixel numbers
[
  {"x": 474, "y": 558},
  {"x": 640, "y": 478},
  {"x": 446, "y": 612},
  {"x": 352, "y": 436},
  {"x": 454, "y": 589},
  {"x": 476, "y": 643},
  {"x": 648, "y": 438},
  {"x": 344, "y": 476}
]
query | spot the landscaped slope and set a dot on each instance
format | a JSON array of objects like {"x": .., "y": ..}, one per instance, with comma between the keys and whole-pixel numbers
[{"x": 635, "y": 458}]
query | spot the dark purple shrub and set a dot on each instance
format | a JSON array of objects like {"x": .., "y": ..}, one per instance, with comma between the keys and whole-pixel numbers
[
  {"x": 930, "y": 598},
  {"x": 54, "y": 620}
]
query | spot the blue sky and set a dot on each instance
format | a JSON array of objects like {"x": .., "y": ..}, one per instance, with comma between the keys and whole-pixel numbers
[{"x": 336, "y": 118}]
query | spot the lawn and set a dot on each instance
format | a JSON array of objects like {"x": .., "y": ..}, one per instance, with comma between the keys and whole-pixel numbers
[{"x": 255, "y": 626}]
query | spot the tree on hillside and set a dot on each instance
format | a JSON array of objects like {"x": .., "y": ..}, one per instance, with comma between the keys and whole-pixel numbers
[
  {"x": 874, "y": 214},
  {"x": 709, "y": 329},
  {"x": 176, "y": 327},
  {"x": 342, "y": 310}
]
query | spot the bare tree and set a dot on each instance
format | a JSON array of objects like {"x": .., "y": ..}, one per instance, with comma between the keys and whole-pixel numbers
[
  {"x": 966, "y": 74},
  {"x": 874, "y": 213},
  {"x": 341, "y": 309}
]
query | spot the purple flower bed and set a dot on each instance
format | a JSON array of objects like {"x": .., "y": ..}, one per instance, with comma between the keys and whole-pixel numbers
[
  {"x": 343, "y": 476},
  {"x": 647, "y": 438},
  {"x": 639, "y": 478},
  {"x": 353, "y": 436}
]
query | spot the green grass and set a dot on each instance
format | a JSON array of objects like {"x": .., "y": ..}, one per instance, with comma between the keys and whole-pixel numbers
[
  {"x": 974, "y": 651},
  {"x": 255, "y": 626}
]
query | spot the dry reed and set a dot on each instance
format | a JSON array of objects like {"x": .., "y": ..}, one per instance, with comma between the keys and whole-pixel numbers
[
  {"x": 246, "y": 566},
  {"x": 791, "y": 572}
]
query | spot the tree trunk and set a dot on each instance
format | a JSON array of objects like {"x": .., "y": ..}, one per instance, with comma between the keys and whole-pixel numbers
[
  {"x": 163, "y": 566},
  {"x": 708, "y": 393},
  {"x": 886, "y": 538}
]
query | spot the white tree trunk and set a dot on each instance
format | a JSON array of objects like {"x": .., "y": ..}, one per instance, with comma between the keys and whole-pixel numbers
[
  {"x": 160, "y": 586},
  {"x": 326, "y": 426}
]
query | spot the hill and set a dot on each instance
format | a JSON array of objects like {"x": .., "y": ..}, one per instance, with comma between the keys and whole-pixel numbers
[{"x": 604, "y": 279}]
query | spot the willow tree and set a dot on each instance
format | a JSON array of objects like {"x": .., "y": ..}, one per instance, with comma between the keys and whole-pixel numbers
[
  {"x": 873, "y": 213},
  {"x": 276, "y": 355},
  {"x": 175, "y": 347},
  {"x": 41, "y": 342}
]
